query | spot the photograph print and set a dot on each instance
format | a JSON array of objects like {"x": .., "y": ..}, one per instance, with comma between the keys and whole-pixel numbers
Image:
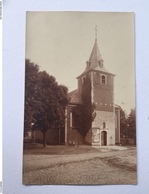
[{"x": 79, "y": 109}]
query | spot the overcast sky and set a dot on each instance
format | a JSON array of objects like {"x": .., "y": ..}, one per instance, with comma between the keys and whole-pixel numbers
[{"x": 61, "y": 43}]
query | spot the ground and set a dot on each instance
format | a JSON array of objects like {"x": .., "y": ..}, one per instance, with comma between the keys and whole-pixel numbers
[{"x": 79, "y": 165}]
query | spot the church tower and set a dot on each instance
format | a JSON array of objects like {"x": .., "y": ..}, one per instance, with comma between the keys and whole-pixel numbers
[{"x": 102, "y": 95}]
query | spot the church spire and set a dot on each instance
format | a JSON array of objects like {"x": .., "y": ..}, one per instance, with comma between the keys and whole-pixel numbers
[{"x": 95, "y": 59}]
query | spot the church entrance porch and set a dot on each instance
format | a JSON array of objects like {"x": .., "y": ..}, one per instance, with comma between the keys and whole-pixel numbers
[
  {"x": 97, "y": 137},
  {"x": 103, "y": 138}
]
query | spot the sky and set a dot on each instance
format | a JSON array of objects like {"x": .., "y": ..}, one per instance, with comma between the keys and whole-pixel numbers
[{"x": 61, "y": 43}]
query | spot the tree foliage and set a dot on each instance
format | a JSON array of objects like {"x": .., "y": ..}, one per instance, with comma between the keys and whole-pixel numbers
[
  {"x": 87, "y": 106},
  {"x": 128, "y": 124},
  {"x": 32, "y": 94},
  {"x": 123, "y": 122},
  {"x": 45, "y": 100},
  {"x": 132, "y": 124},
  {"x": 85, "y": 113}
]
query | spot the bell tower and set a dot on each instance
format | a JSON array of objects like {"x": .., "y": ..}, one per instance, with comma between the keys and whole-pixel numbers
[{"x": 102, "y": 95}]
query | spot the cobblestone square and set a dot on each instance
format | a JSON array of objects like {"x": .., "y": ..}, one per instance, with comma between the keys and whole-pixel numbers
[{"x": 94, "y": 167}]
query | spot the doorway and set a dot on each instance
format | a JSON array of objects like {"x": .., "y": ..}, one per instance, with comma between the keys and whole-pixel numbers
[{"x": 103, "y": 138}]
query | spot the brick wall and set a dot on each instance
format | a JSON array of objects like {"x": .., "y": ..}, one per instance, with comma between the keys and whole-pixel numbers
[{"x": 103, "y": 94}]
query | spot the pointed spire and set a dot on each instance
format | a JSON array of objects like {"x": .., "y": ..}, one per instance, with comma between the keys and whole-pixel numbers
[
  {"x": 95, "y": 57},
  {"x": 95, "y": 61}
]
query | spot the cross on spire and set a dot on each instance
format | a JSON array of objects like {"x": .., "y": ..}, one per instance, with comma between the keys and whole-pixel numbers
[{"x": 96, "y": 32}]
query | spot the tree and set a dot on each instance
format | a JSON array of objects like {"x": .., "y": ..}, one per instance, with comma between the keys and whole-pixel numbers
[
  {"x": 47, "y": 107},
  {"x": 32, "y": 88},
  {"x": 45, "y": 117},
  {"x": 85, "y": 114},
  {"x": 53, "y": 101},
  {"x": 123, "y": 123},
  {"x": 61, "y": 94},
  {"x": 132, "y": 124},
  {"x": 86, "y": 106}
]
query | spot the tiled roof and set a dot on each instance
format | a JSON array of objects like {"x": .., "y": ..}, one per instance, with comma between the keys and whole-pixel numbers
[
  {"x": 95, "y": 56},
  {"x": 117, "y": 106},
  {"x": 75, "y": 97},
  {"x": 95, "y": 61}
]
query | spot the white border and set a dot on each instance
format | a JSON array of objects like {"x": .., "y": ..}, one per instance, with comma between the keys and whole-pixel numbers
[
  {"x": 0, "y": 100},
  {"x": 13, "y": 88}
]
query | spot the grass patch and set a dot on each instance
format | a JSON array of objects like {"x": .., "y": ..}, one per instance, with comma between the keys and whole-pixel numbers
[{"x": 38, "y": 149}]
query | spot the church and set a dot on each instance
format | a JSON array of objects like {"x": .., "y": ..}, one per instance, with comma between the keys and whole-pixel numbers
[{"x": 105, "y": 126}]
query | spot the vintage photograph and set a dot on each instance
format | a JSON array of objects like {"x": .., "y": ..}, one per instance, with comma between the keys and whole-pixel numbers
[{"x": 79, "y": 109}]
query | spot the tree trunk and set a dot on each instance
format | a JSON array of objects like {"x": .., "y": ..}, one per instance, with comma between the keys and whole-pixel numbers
[{"x": 44, "y": 138}]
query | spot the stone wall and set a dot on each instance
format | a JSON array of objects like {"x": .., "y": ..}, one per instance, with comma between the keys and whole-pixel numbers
[
  {"x": 109, "y": 119},
  {"x": 88, "y": 137}
]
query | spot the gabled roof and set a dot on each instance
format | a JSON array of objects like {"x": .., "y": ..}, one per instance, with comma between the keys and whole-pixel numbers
[
  {"x": 117, "y": 106},
  {"x": 75, "y": 97}
]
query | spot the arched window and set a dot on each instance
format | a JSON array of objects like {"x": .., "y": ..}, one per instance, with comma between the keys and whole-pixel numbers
[{"x": 103, "y": 79}]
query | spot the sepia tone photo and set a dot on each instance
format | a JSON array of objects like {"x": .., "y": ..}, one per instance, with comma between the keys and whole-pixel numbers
[{"x": 79, "y": 109}]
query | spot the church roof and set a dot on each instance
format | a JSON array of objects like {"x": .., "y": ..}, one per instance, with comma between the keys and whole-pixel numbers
[
  {"x": 95, "y": 61},
  {"x": 95, "y": 56},
  {"x": 117, "y": 106},
  {"x": 75, "y": 97}
]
